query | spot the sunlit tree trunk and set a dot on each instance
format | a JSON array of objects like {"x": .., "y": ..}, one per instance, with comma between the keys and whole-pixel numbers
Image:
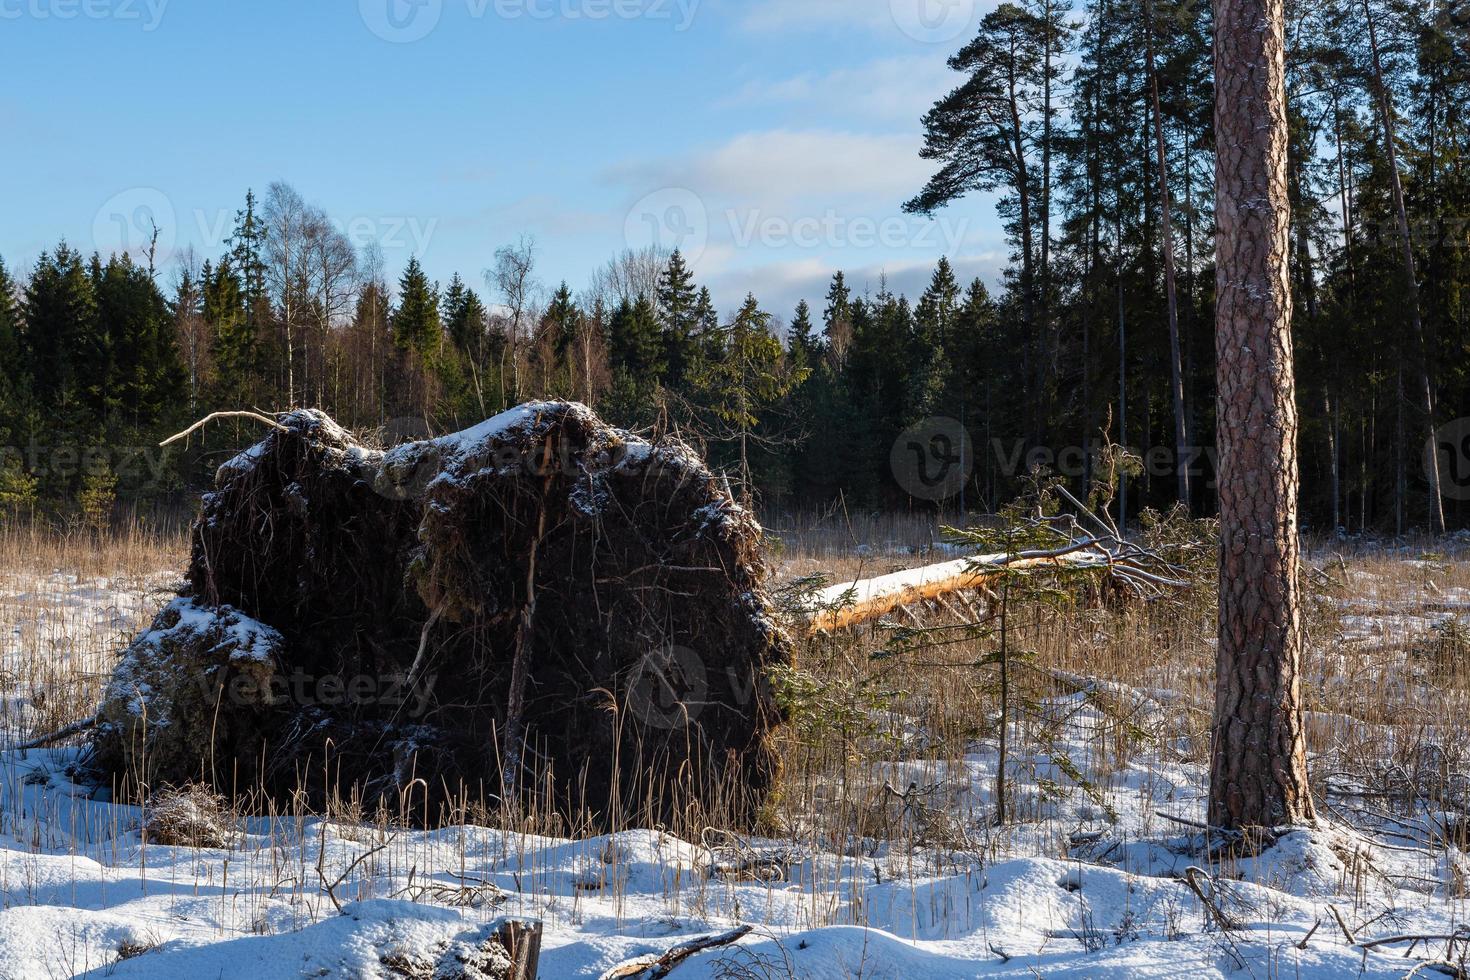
[{"x": 1258, "y": 765}]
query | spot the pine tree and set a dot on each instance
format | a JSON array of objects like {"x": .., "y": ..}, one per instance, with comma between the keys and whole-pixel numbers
[
  {"x": 1258, "y": 758},
  {"x": 989, "y": 135},
  {"x": 745, "y": 379},
  {"x": 837, "y": 318},
  {"x": 679, "y": 312},
  {"x": 247, "y": 258},
  {"x": 416, "y": 324},
  {"x": 563, "y": 328},
  {"x": 636, "y": 342},
  {"x": 464, "y": 316},
  {"x": 11, "y": 375},
  {"x": 144, "y": 371},
  {"x": 60, "y": 345},
  {"x": 236, "y": 348},
  {"x": 802, "y": 344}
]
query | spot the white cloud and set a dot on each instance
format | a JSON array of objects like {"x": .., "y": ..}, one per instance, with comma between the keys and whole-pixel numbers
[
  {"x": 781, "y": 168},
  {"x": 899, "y": 88}
]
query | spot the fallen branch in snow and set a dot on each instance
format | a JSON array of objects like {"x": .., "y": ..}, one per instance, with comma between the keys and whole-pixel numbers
[
  {"x": 1135, "y": 568},
  {"x": 1448, "y": 965},
  {"x": 1207, "y": 899},
  {"x": 1310, "y": 933},
  {"x": 1459, "y": 936},
  {"x": 1342, "y": 924},
  {"x": 263, "y": 419},
  {"x": 331, "y": 887},
  {"x": 655, "y": 967},
  {"x": 76, "y": 728}
]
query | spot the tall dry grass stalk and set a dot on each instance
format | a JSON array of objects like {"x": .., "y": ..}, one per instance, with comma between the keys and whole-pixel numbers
[{"x": 882, "y": 754}]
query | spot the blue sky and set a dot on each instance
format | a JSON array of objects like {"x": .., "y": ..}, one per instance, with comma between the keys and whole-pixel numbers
[{"x": 774, "y": 140}]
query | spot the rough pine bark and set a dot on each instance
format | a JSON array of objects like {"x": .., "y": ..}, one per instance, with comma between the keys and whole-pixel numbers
[{"x": 1258, "y": 770}]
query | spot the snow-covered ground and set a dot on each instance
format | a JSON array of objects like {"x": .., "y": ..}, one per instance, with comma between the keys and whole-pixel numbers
[{"x": 1097, "y": 887}]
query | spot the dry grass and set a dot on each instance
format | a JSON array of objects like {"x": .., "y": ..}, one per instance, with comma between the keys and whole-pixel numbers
[
  {"x": 876, "y": 756},
  {"x": 59, "y": 646}
]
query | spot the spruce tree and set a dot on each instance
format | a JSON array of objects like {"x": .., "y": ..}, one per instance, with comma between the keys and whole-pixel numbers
[
  {"x": 13, "y": 381},
  {"x": 679, "y": 312},
  {"x": 416, "y": 324},
  {"x": 144, "y": 371},
  {"x": 745, "y": 379},
  {"x": 564, "y": 326},
  {"x": 802, "y": 345},
  {"x": 636, "y": 358},
  {"x": 464, "y": 317},
  {"x": 247, "y": 257},
  {"x": 636, "y": 342},
  {"x": 837, "y": 318},
  {"x": 236, "y": 347},
  {"x": 60, "y": 345},
  {"x": 10, "y": 366}
]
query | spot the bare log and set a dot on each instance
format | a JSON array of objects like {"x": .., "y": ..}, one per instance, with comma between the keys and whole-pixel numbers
[
  {"x": 256, "y": 416},
  {"x": 863, "y": 601},
  {"x": 76, "y": 728},
  {"x": 656, "y": 967}
]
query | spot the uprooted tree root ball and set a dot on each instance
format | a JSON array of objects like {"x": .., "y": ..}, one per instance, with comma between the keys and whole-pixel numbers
[{"x": 542, "y": 610}]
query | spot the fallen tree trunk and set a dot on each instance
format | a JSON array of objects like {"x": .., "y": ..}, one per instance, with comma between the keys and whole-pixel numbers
[
  {"x": 854, "y": 603},
  {"x": 541, "y": 611}
]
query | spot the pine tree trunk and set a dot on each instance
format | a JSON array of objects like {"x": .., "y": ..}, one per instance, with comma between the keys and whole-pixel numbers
[
  {"x": 1047, "y": 365},
  {"x": 1411, "y": 279},
  {"x": 1028, "y": 271},
  {"x": 1258, "y": 766},
  {"x": 1166, "y": 224}
]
